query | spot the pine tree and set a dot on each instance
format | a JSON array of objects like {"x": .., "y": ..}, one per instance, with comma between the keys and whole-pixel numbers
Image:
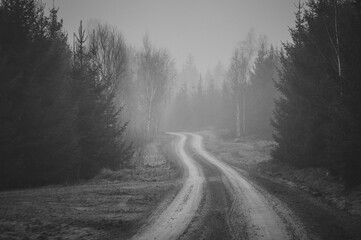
[
  {"x": 101, "y": 135},
  {"x": 262, "y": 92},
  {"x": 38, "y": 141},
  {"x": 227, "y": 108},
  {"x": 296, "y": 111},
  {"x": 318, "y": 114},
  {"x": 199, "y": 105}
]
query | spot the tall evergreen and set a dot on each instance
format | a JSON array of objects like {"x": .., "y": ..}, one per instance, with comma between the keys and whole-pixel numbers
[
  {"x": 101, "y": 136},
  {"x": 38, "y": 142},
  {"x": 227, "y": 108},
  {"x": 59, "y": 121},
  {"x": 261, "y": 93},
  {"x": 317, "y": 118}
]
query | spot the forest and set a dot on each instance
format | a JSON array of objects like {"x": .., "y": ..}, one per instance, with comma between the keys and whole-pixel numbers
[
  {"x": 67, "y": 109},
  {"x": 306, "y": 95},
  {"x": 75, "y": 103}
]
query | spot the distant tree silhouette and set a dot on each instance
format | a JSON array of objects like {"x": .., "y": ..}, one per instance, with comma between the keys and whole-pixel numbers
[{"x": 261, "y": 92}]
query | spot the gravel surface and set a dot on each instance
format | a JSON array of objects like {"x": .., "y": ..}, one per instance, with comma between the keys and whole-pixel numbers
[{"x": 303, "y": 192}]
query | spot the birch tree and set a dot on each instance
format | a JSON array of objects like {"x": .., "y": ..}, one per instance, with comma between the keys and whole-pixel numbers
[
  {"x": 239, "y": 73},
  {"x": 317, "y": 117},
  {"x": 109, "y": 52},
  {"x": 155, "y": 73}
]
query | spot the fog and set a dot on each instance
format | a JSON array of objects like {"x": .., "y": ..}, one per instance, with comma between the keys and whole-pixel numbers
[
  {"x": 198, "y": 41},
  {"x": 238, "y": 99},
  {"x": 209, "y": 30},
  {"x": 170, "y": 119}
]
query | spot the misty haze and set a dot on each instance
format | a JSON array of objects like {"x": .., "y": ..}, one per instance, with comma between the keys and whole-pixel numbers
[{"x": 180, "y": 119}]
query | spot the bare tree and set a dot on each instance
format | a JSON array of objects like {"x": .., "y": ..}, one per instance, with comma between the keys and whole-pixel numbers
[
  {"x": 189, "y": 74},
  {"x": 239, "y": 73},
  {"x": 235, "y": 76},
  {"x": 109, "y": 52},
  {"x": 335, "y": 42},
  {"x": 155, "y": 72},
  {"x": 331, "y": 25}
]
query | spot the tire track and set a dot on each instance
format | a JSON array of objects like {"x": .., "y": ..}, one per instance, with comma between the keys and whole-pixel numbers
[
  {"x": 173, "y": 221},
  {"x": 249, "y": 206},
  {"x": 212, "y": 215}
]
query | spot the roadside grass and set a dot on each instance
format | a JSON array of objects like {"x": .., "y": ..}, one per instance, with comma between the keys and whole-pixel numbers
[
  {"x": 88, "y": 211},
  {"x": 113, "y": 205},
  {"x": 253, "y": 155},
  {"x": 157, "y": 162},
  {"x": 315, "y": 181},
  {"x": 140, "y": 174}
]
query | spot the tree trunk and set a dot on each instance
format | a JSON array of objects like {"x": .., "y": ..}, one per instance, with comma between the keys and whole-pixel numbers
[
  {"x": 243, "y": 112},
  {"x": 238, "y": 123},
  {"x": 149, "y": 118},
  {"x": 337, "y": 50},
  {"x": 156, "y": 125}
]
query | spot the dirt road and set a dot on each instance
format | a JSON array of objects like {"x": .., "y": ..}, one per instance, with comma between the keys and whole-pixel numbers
[
  {"x": 217, "y": 202},
  {"x": 173, "y": 221},
  {"x": 261, "y": 219}
]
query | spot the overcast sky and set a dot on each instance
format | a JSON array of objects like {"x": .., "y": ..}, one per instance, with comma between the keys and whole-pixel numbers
[{"x": 207, "y": 29}]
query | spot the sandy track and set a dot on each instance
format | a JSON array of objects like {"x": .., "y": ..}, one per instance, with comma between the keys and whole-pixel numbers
[
  {"x": 174, "y": 220},
  {"x": 262, "y": 221}
]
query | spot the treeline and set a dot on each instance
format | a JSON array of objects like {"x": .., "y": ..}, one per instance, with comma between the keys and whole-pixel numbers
[
  {"x": 196, "y": 100},
  {"x": 151, "y": 75},
  {"x": 58, "y": 121},
  {"x": 69, "y": 110},
  {"x": 252, "y": 75},
  {"x": 239, "y": 99},
  {"x": 317, "y": 119},
  {"x": 307, "y": 95}
]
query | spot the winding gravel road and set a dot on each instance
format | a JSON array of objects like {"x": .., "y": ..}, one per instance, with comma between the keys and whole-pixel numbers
[
  {"x": 173, "y": 221},
  {"x": 262, "y": 221},
  {"x": 247, "y": 212}
]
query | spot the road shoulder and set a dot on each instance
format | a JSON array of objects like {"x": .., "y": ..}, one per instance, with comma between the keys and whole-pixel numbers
[
  {"x": 111, "y": 206},
  {"x": 320, "y": 220}
]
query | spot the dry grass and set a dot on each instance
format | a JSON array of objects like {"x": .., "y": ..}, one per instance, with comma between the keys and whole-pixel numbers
[
  {"x": 89, "y": 211},
  {"x": 254, "y": 155},
  {"x": 113, "y": 205},
  {"x": 157, "y": 162},
  {"x": 140, "y": 174}
]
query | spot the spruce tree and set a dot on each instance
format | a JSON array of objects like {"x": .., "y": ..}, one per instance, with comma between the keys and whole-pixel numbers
[
  {"x": 101, "y": 135},
  {"x": 317, "y": 118},
  {"x": 262, "y": 92},
  {"x": 38, "y": 141}
]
